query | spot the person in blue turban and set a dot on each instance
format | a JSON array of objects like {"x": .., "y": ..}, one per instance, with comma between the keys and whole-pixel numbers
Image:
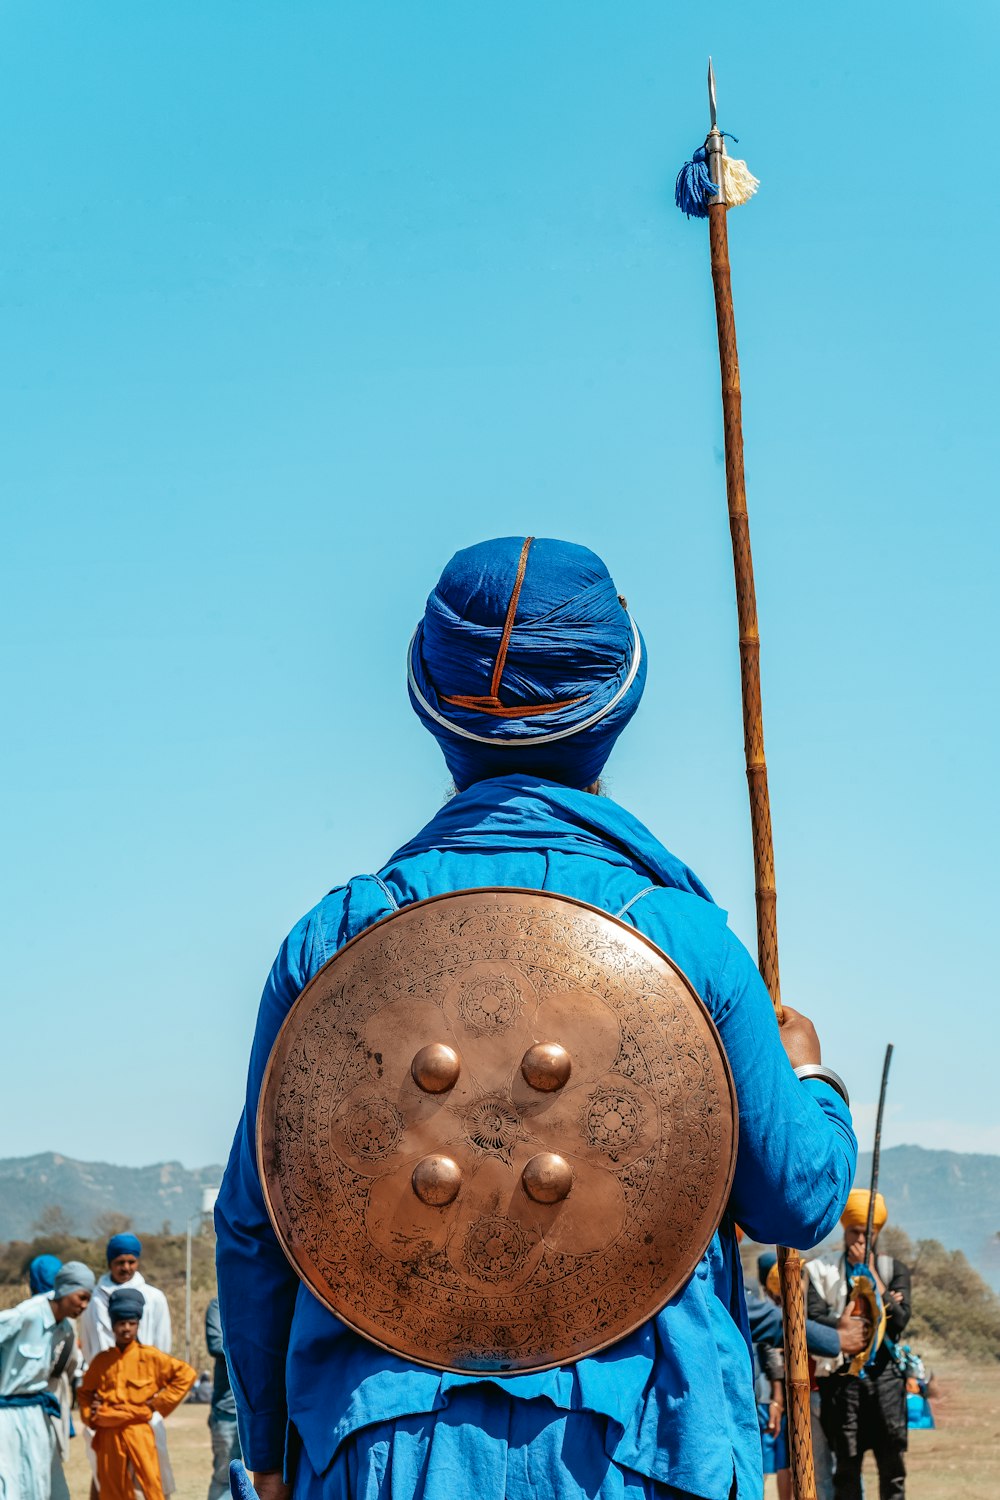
[
  {"x": 42, "y": 1273},
  {"x": 123, "y": 1254},
  {"x": 526, "y": 666},
  {"x": 127, "y": 1245},
  {"x": 526, "y": 661}
]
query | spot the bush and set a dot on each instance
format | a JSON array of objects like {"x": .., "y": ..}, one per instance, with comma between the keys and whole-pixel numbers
[
  {"x": 162, "y": 1264},
  {"x": 952, "y": 1305}
]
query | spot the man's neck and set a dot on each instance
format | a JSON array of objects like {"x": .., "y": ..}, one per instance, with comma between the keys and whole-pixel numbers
[{"x": 136, "y": 1279}]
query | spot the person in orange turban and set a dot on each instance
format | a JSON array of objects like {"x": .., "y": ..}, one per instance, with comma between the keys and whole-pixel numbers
[
  {"x": 855, "y": 1216},
  {"x": 858, "y": 1414}
]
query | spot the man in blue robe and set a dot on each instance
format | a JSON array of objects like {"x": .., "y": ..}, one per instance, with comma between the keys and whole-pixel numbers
[{"x": 526, "y": 667}]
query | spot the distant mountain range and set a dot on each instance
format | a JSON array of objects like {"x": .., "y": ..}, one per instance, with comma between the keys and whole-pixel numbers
[
  {"x": 151, "y": 1196},
  {"x": 949, "y": 1196}
]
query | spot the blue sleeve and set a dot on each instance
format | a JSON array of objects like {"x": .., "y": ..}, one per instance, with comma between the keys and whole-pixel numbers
[
  {"x": 213, "y": 1329},
  {"x": 797, "y": 1151},
  {"x": 764, "y": 1318},
  {"x": 822, "y": 1340},
  {"x": 257, "y": 1285},
  {"x": 766, "y": 1327}
]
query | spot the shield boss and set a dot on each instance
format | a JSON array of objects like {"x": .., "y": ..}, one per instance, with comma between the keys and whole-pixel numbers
[{"x": 497, "y": 1131}]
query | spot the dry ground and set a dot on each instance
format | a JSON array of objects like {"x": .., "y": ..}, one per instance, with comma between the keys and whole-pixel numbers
[
  {"x": 960, "y": 1460},
  {"x": 190, "y": 1455}
]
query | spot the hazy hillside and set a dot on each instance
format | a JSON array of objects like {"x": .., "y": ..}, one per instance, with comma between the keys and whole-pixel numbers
[
  {"x": 949, "y": 1196},
  {"x": 150, "y": 1196}
]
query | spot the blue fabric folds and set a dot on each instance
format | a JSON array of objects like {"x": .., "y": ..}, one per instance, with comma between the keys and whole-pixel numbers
[
  {"x": 500, "y": 818},
  {"x": 668, "y": 1409},
  {"x": 575, "y": 661},
  {"x": 481, "y": 1444}
]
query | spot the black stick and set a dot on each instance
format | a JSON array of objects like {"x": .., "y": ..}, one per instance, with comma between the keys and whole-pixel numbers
[{"x": 876, "y": 1149}]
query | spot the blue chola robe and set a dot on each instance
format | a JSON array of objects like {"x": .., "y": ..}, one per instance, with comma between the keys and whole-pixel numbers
[{"x": 667, "y": 1411}]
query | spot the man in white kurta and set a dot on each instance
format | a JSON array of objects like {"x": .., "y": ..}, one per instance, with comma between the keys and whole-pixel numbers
[
  {"x": 123, "y": 1254},
  {"x": 28, "y": 1410}
]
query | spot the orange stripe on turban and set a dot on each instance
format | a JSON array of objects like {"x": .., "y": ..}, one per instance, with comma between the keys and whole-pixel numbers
[{"x": 855, "y": 1215}]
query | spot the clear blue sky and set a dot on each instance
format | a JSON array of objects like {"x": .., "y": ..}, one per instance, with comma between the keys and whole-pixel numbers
[{"x": 299, "y": 298}]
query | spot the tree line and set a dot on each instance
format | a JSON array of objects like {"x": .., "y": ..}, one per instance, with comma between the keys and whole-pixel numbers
[
  {"x": 954, "y": 1310},
  {"x": 163, "y": 1263}
]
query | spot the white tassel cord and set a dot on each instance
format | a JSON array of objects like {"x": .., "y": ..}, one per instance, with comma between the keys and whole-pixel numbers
[{"x": 738, "y": 182}]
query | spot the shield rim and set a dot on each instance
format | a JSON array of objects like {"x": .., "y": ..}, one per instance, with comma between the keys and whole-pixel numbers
[{"x": 264, "y": 1153}]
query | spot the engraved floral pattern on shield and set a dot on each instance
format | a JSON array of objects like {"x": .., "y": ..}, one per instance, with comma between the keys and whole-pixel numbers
[
  {"x": 374, "y": 1128},
  {"x": 612, "y": 1119},
  {"x": 490, "y": 1003},
  {"x": 495, "y": 1248}
]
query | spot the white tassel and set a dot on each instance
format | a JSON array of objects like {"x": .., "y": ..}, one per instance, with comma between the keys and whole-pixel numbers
[{"x": 738, "y": 182}]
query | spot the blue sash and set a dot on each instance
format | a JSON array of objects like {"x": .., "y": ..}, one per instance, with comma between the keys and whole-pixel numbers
[{"x": 44, "y": 1399}]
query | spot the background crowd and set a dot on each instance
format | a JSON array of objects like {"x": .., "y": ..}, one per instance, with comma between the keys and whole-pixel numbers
[{"x": 90, "y": 1357}]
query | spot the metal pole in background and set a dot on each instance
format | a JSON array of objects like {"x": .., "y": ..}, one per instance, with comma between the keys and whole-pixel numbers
[{"x": 187, "y": 1293}]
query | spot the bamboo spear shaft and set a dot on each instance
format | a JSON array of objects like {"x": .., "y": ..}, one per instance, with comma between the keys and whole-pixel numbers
[{"x": 789, "y": 1260}]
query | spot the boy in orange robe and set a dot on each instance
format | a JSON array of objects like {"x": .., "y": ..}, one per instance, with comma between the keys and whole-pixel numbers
[{"x": 121, "y": 1390}]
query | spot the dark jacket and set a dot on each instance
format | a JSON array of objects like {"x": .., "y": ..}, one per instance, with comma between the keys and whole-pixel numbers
[
  {"x": 223, "y": 1400},
  {"x": 855, "y": 1405}
]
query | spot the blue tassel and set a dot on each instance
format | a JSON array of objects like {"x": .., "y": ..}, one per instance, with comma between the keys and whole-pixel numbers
[{"x": 694, "y": 186}]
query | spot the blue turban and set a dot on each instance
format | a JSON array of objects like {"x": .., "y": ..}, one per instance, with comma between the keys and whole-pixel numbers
[
  {"x": 123, "y": 1244},
  {"x": 125, "y": 1302},
  {"x": 765, "y": 1265},
  {"x": 526, "y": 660},
  {"x": 74, "y": 1276},
  {"x": 42, "y": 1273}
]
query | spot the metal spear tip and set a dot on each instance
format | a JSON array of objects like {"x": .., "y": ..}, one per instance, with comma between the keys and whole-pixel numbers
[{"x": 711, "y": 93}]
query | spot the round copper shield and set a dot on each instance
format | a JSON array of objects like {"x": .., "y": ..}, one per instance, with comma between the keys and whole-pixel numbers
[{"x": 497, "y": 1131}]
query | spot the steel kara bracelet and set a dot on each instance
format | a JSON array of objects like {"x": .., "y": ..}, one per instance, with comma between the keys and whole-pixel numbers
[{"x": 824, "y": 1075}]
